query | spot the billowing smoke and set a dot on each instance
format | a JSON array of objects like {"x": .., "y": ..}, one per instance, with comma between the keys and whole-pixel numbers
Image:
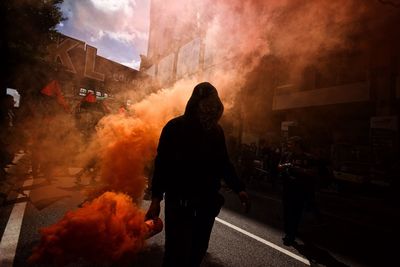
[
  {"x": 109, "y": 229},
  {"x": 250, "y": 47},
  {"x": 261, "y": 45},
  {"x": 238, "y": 34},
  {"x": 126, "y": 144},
  {"x": 112, "y": 224}
]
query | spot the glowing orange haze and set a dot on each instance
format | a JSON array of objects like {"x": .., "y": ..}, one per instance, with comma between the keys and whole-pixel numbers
[
  {"x": 109, "y": 229},
  {"x": 127, "y": 145}
]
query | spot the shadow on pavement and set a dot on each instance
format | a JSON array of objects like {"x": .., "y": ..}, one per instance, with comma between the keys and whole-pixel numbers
[
  {"x": 77, "y": 187},
  {"x": 42, "y": 184},
  {"x": 15, "y": 201},
  {"x": 153, "y": 255},
  {"x": 211, "y": 261},
  {"x": 317, "y": 256},
  {"x": 150, "y": 257},
  {"x": 45, "y": 202}
]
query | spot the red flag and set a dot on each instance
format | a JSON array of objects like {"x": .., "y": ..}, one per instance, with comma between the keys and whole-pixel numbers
[
  {"x": 90, "y": 97},
  {"x": 53, "y": 89}
]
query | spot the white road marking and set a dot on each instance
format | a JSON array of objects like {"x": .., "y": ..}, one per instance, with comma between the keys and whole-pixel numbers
[
  {"x": 9, "y": 240},
  {"x": 259, "y": 239}
]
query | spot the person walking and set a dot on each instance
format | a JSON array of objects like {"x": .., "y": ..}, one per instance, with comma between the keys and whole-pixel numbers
[{"x": 191, "y": 160}]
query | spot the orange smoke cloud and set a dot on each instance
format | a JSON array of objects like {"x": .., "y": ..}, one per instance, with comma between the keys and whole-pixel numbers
[
  {"x": 126, "y": 147},
  {"x": 111, "y": 228}
]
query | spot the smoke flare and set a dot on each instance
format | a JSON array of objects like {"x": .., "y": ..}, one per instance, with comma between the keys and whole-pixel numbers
[
  {"x": 111, "y": 228},
  {"x": 112, "y": 225}
]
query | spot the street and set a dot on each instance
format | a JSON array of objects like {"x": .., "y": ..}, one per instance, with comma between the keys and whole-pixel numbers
[
  {"x": 238, "y": 239},
  {"x": 288, "y": 109}
]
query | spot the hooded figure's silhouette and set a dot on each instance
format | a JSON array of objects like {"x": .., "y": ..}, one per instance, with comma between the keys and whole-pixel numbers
[{"x": 191, "y": 160}]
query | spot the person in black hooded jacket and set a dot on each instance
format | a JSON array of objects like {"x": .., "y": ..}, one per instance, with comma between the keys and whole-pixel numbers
[{"x": 191, "y": 160}]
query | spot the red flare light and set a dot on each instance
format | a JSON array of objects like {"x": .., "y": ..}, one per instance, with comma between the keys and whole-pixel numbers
[{"x": 111, "y": 228}]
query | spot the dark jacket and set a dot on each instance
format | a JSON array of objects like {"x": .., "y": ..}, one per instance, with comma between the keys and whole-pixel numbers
[
  {"x": 191, "y": 159},
  {"x": 292, "y": 178}
]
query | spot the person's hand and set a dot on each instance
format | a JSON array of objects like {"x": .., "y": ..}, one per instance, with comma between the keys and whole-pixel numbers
[
  {"x": 245, "y": 200},
  {"x": 154, "y": 209}
]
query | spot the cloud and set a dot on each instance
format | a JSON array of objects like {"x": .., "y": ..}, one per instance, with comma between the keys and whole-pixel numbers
[
  {"x": 110, "y": 5},
  {"x": 128, "y": 37},
  {"x": 107, "y": 24},
  {"x": 134, "y": 64},
  {"x": 98, "y": 36}
]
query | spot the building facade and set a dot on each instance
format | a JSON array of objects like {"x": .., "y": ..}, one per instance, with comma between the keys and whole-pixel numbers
[
  {"x": 345, "y": 102},
  {"x": 80, "y": 70}
]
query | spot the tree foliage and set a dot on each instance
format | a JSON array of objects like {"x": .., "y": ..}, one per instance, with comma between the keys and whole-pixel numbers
[{"x": 27, "y": 28}]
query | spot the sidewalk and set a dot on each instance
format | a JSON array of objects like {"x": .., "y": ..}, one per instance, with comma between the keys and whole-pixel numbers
[{"x": 15, "y": 174}]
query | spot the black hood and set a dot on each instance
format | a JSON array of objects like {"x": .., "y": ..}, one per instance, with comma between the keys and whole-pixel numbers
[{"x": 204, "y": 105}]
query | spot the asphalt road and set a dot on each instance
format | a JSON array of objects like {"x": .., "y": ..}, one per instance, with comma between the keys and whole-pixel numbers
[{"x": 238, "y": 239}]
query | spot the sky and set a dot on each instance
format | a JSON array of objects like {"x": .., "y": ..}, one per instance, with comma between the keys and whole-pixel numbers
[{"x": 118, "y": 29}]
